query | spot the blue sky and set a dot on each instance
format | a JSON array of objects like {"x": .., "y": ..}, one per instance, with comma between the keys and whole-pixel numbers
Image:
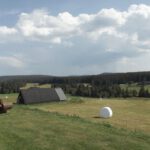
[{"x": 74, "y": 37}]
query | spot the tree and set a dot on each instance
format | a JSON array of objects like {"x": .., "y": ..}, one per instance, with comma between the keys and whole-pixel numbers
[{"x": 142, "y": 91}]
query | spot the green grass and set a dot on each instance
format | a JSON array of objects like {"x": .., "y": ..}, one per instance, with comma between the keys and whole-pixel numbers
[
  {"x": 74, "y": 125},
  {"x": 132, "y": 113},
  {"x": 28, "y": 85},
  {"x": 11, "y": 97},
  {"x": 75, "y": 99},
  {"x": 23, "y": 128}
]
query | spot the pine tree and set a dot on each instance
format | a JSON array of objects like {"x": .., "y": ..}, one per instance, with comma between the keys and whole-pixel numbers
[{"x": 142, "y": 91}]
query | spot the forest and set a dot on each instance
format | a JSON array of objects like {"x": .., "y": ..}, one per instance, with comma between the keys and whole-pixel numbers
[{"x": 102, "y": 85}]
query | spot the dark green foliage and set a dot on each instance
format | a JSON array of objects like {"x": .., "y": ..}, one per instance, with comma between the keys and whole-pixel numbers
[
  {"x": 144, "y": 92},
  {"x": 103, "y": 85},
  {"x": 10, "y": 86}
]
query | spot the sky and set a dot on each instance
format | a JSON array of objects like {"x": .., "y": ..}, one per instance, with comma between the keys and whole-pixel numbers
[{"x": 74, "y": 37}]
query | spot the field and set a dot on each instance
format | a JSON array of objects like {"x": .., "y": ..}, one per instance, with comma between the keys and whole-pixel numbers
[
  {"x": 129, "y": 114},
  {"x": 75, "y": 124},
  {"x": 28, "y": 85},
  {"x": 134, "y": 86}
]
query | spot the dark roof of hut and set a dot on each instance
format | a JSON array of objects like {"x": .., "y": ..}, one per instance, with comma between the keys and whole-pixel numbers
[{"x": 39, "y": 95}]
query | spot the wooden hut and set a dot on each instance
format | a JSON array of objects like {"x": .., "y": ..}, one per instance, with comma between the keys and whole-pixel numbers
[{"x": 39, "y": 95}]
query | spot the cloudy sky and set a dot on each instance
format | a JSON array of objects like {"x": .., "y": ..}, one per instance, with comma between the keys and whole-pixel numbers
[{"x": 74, "y": 37}]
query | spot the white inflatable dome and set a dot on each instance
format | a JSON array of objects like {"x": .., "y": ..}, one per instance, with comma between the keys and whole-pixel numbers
[{"x": 106, "y": 112}]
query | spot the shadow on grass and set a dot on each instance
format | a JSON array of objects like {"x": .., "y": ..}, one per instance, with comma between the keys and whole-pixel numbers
[{"x": 97, "y": 117}]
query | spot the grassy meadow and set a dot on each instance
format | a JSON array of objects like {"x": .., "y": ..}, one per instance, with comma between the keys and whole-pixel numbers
[
  {"x": 134, "y": 86},
  {"x": 75, "y": 125},
  {"x": 131, "y": 114},
  {"x": 28, "y": 85}
]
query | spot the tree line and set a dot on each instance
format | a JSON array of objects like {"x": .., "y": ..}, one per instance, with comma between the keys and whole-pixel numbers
[
  {"x": 102, "y": 85},
  {"x": 103, "y": 91}
]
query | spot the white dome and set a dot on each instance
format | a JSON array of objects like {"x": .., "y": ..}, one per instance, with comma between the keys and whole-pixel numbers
[{"x": 106, "y": 112}]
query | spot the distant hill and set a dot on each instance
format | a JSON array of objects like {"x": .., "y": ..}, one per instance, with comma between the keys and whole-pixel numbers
[{"x": 114, "y": 78}]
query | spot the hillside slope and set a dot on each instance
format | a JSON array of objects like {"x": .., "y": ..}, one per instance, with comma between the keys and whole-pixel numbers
[{"x": 32, "y": 129}]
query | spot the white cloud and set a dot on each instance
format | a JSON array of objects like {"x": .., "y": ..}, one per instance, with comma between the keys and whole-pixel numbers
[
  {"x": 39, "y": 24},
  {"x": 7, "y": 31},
  {"x": 107, "y": 40},
  {"x": 11, "y": 61},
  {"x": 8, "y": 34}
]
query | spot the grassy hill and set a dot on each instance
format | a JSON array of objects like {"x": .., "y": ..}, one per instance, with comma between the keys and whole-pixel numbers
[
  {"x": 75, "y": 125},
  {"x": 32, "y": 129}
]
